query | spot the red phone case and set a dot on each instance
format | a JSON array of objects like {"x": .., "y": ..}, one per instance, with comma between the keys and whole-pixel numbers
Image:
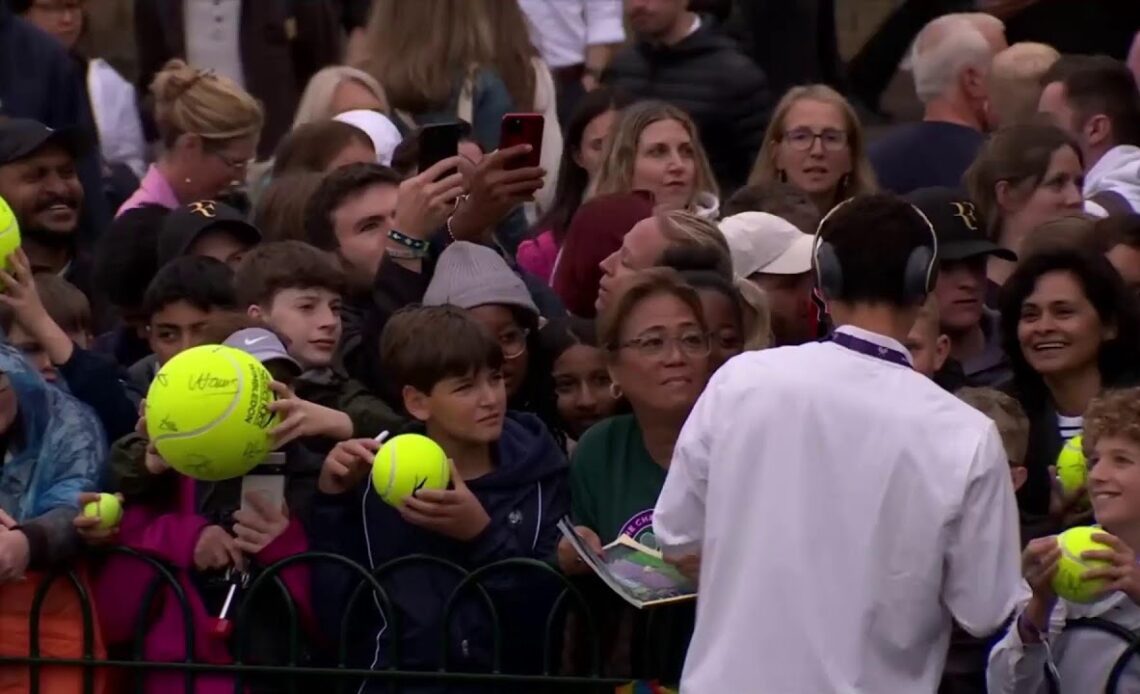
[{"x": 523, "y": 129}]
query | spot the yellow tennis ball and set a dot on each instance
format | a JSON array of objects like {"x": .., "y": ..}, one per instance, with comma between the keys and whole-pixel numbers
[
  {"x": 1067, "y": 582},
  {"x": 206, "y": 412},
  {"x": 406, "y": 464},
  {"x": 9, "y": 234},
  {"x": 107, "y": 509},
  {"x": 1072, "y": 468}
]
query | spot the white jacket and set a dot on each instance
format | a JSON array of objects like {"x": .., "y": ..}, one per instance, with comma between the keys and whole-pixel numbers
[
  {"x": 1117, "y": 171},
  {"x": 116, "y": 112}
]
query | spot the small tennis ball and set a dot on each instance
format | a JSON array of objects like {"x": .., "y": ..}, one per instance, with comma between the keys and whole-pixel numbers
[
  {"x": 406, "y": 464},
  {"x": 1067, "y": 582},
  {"x": 107, "y": 509},
  {"x": 9, "y": 234},
  {"x": 1072, "y": 468},
  {"x": 206, "y": 412}
]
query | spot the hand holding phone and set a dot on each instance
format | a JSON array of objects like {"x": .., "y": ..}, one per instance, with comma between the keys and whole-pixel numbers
[
  {"x": 522, "y": 129},
  {"x": 436, "y": 143}
]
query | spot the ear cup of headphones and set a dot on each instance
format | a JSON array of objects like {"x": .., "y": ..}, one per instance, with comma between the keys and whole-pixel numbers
[
  {"x": 828, "y": 270},
  {"x": 919, "y": 274}
]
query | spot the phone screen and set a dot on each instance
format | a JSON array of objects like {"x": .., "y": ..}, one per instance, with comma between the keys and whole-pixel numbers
[
  {"x": 268, "y": 479},
  {"x": 438, "y": 142},
  {"x": 520, "y": 129}
]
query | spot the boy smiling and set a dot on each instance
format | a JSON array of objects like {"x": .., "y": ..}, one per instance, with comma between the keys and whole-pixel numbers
[{"x": 1084, "y": 658}]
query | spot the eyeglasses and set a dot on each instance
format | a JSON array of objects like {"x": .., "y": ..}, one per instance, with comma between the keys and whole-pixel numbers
[
  {"x": 513, "y": 342},
  {"x": 803, "y": 139},
  {"x": 690, "y": 344},
  {"x": 238, "y": 165}
]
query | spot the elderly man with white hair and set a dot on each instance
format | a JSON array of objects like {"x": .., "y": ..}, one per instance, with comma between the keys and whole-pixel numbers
[{"x": 951, "y": 60}]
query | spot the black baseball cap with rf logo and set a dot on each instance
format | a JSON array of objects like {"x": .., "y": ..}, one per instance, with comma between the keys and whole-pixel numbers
[
  {"x": 186, "y": 224},
  {"x": 959, "y": 227}
]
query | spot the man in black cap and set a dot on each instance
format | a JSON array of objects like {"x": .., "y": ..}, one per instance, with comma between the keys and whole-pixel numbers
[
  {"x": 206, "y": 228},
  {"x": 963, "y": 248},
  {"x": 39, "y": 180}
]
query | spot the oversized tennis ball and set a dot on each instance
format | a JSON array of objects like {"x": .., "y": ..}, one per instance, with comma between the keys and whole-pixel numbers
[
  {"x": 9, "y": 234},
  {"x": 107, "y": 509},
  {"x": 206, "y": 412},
  {"x": 1067, "y": 582},
  {"x": 1072, "y": 468},
  {"x": 407, "y": 464}
]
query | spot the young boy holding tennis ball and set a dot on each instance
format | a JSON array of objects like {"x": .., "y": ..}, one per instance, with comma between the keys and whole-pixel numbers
[
  {"x": 1099, "y": 565},
  {"x": 508, "y": 491}
]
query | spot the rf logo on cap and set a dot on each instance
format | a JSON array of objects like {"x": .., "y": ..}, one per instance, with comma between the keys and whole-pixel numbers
[
  {"x": 967, "y": 212},
  {"x": 206, "y": 208}
]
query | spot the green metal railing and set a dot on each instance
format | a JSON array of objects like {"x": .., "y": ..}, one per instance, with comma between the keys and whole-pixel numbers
[{"x": 297, "y": 674}]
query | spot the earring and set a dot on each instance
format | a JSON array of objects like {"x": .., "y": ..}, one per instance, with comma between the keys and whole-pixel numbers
[{"x": 615, "y": 391}]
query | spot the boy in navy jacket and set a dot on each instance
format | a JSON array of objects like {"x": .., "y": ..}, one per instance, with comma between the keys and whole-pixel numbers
[{"x": 509, "y": 489}]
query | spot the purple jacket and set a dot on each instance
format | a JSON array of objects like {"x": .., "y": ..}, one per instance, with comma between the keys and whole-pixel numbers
[{"x": 171, "y": 536}]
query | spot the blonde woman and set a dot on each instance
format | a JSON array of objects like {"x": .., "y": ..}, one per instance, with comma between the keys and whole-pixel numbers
[
  {"x": 815, "y": 142},
  {"x": 209, "y": 127},
  {"x": 339, "y": 89},
  {"x": 436, "y": 60},
  {"x": 655, "y": 147}
]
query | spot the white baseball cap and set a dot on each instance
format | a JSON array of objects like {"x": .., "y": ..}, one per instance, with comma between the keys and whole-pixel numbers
[{"x": 762, "y": 242}]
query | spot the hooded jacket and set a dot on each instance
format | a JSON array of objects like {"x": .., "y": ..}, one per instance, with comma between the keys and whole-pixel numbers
[
  {"x": 55, "y": 450},
  {"x": 1118, "y": 171},
  {"x": 705, "y": 74},
  {"x": 525, "y": 496}
]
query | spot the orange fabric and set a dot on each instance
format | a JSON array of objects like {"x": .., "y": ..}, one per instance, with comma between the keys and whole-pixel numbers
[{"x": 60, "y": 636}]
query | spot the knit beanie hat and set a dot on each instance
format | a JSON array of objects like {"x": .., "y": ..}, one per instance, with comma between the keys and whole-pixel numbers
[{"x": 469, "y": 275}]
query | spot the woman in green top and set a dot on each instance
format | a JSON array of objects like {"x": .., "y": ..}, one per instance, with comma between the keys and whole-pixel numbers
[{"x": 657, "y": 345}]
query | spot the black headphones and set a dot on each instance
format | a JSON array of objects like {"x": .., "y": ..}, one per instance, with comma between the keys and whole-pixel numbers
[{"x": 918, "y": 278}]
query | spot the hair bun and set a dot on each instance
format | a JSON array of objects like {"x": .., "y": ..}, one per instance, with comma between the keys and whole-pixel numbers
[{"x": 174, "y": 80}]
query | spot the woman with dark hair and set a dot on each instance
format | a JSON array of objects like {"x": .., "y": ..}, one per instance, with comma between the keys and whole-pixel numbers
[
  {"x": 582, "y": 153},
  {"x": 1071, "y": 329},
  {"x": 582, "y": 394}
]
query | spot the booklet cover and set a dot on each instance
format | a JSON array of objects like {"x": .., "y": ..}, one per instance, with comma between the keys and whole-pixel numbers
[{"x": 635, "y": 572}]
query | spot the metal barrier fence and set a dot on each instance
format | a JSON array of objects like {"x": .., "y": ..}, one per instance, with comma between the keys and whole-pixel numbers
[{"x": 296, "y": 673}]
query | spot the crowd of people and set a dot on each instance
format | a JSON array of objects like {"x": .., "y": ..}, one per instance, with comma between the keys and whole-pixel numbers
[{"x": 827, "y": 371}]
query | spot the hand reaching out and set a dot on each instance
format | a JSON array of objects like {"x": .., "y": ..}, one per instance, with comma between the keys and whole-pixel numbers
[
  {"x": 87, "y": 527},
  {"x": 259, "y": 523},
  {"x": 217, "y": 549},
  {"x": 301, "y": 418},
  {"x": 347, "y": 464}
]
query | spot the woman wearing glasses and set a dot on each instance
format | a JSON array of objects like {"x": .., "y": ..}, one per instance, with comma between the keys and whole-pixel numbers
[
  {"x": 815, "y": 142},
  {"x": 657, "y": 350},
  {"x": 208, "y": 127}
]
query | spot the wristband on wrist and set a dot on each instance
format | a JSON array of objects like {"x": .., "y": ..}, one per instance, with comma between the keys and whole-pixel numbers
[
  {"x": 405, "y": 253},
  {"x": 407, "y": 241}
]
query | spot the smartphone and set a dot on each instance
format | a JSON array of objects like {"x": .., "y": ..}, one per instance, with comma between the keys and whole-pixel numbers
[
  {"x": 268, "y": 479},
  {"x": 522, "y": 129},
  {"x": 438, "y": 142}
]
